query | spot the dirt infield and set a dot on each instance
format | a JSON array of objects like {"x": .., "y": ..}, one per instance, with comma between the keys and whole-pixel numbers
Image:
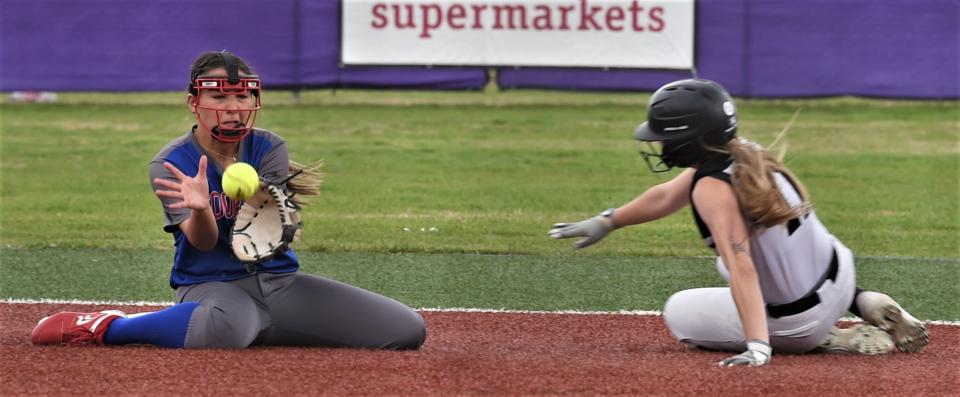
[{"x": 467, "y": 354}]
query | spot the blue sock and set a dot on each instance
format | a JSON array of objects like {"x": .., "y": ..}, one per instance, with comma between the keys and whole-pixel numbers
[{"x": 165, "y": 328}]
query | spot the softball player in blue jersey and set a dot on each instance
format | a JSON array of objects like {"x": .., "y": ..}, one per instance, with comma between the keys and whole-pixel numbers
[
  {"x": 220, "y": 301},
  {"x": 790, "y": 279}
]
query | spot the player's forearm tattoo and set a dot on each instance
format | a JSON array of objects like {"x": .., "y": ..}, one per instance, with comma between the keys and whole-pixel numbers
[{"x": 738, "y": 247}]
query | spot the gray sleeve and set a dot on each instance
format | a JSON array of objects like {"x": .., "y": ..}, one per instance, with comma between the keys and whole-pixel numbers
[
  {"x": 275, "y": 165},
  {"x": 172, "y": 217}
]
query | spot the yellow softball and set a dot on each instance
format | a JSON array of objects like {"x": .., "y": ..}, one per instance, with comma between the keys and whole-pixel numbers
[{"x": 240, "y": 181}]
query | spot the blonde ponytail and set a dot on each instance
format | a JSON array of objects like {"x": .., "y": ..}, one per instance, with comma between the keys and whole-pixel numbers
[
  {"x": 306, "y": 181},
  {"x": 756, "y": 188}
]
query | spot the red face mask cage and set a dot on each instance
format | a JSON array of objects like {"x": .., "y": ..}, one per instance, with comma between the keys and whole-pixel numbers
[{"x": 246, "y": 85}]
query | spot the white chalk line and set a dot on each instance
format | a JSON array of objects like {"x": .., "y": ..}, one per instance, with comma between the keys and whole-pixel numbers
[{"x": 425, "y": 309}]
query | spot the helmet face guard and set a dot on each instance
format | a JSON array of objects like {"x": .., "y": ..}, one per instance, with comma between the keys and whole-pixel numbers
[
  {"x": 672, "y": 154},
  {"x": 654, "y": 158},
  {"x": 235, "y": 84}
]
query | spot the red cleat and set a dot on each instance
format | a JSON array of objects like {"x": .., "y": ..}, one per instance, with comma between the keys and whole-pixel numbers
[{"x": 74, "y": 328}]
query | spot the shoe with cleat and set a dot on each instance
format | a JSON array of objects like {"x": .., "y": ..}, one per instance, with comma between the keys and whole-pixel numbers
[
  {"x": 74, "y": 328},
  {"x": 860, "y": 339},
  {"x": 909, "y": 334}
]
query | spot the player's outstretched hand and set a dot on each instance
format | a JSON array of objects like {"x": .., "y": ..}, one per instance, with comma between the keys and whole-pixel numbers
[
  {"x": 193, "y": 192},
  {"x": 757, "y": 354},
  {"x": 593, "y": 230}
]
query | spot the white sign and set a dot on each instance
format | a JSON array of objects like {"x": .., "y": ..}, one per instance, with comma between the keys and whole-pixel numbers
[{"x": 563, "y": 33}]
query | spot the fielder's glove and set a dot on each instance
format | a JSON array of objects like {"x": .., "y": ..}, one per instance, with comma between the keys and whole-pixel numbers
[
  {"x": 265, "y": 225},
  {"x": 758, "y": 353},
  {"x": 593, "y": 229}
]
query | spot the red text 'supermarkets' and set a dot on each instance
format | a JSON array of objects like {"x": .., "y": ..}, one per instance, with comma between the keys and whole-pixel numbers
[{"x": 549, "y": 16}]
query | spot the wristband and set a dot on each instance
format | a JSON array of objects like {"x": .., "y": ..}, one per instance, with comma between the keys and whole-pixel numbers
[
  {"x": 608, "y": 213},
  {"x": 760, "y": 346}
]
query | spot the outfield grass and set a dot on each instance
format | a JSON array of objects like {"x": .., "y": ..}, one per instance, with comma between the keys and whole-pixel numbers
[{"x": 477, "y": 173}]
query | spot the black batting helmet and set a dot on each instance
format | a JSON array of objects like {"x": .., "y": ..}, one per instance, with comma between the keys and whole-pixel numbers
[{"x": 687, "y": 116}]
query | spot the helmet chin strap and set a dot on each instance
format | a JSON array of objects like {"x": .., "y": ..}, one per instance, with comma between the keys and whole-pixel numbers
[
  {"x": 681, "y": 154},
  {"x": 230, "y": 135}
]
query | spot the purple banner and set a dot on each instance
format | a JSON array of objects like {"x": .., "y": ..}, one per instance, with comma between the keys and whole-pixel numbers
[
  {"x": 125, "y": 45},
  {"x": 770, "y": 48},
  {"x": 808, "y": 48}
]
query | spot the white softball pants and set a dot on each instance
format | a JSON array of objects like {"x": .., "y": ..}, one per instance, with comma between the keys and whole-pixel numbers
[{"x": 708, "y": 318}]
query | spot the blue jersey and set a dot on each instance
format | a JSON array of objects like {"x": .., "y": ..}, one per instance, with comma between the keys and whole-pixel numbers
[{"x": 263, "y": 150}]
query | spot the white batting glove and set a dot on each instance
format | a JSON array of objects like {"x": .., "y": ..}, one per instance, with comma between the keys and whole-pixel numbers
[
  {"x": 593, "y": 229},
  {"x": 758, "y": 353}
]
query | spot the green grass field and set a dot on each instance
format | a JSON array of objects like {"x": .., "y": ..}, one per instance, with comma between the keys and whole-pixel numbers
[{"x": 443, "y": 199}]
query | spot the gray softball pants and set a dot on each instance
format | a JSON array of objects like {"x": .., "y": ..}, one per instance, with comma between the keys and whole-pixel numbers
[{"x": 297, "y": 309}]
